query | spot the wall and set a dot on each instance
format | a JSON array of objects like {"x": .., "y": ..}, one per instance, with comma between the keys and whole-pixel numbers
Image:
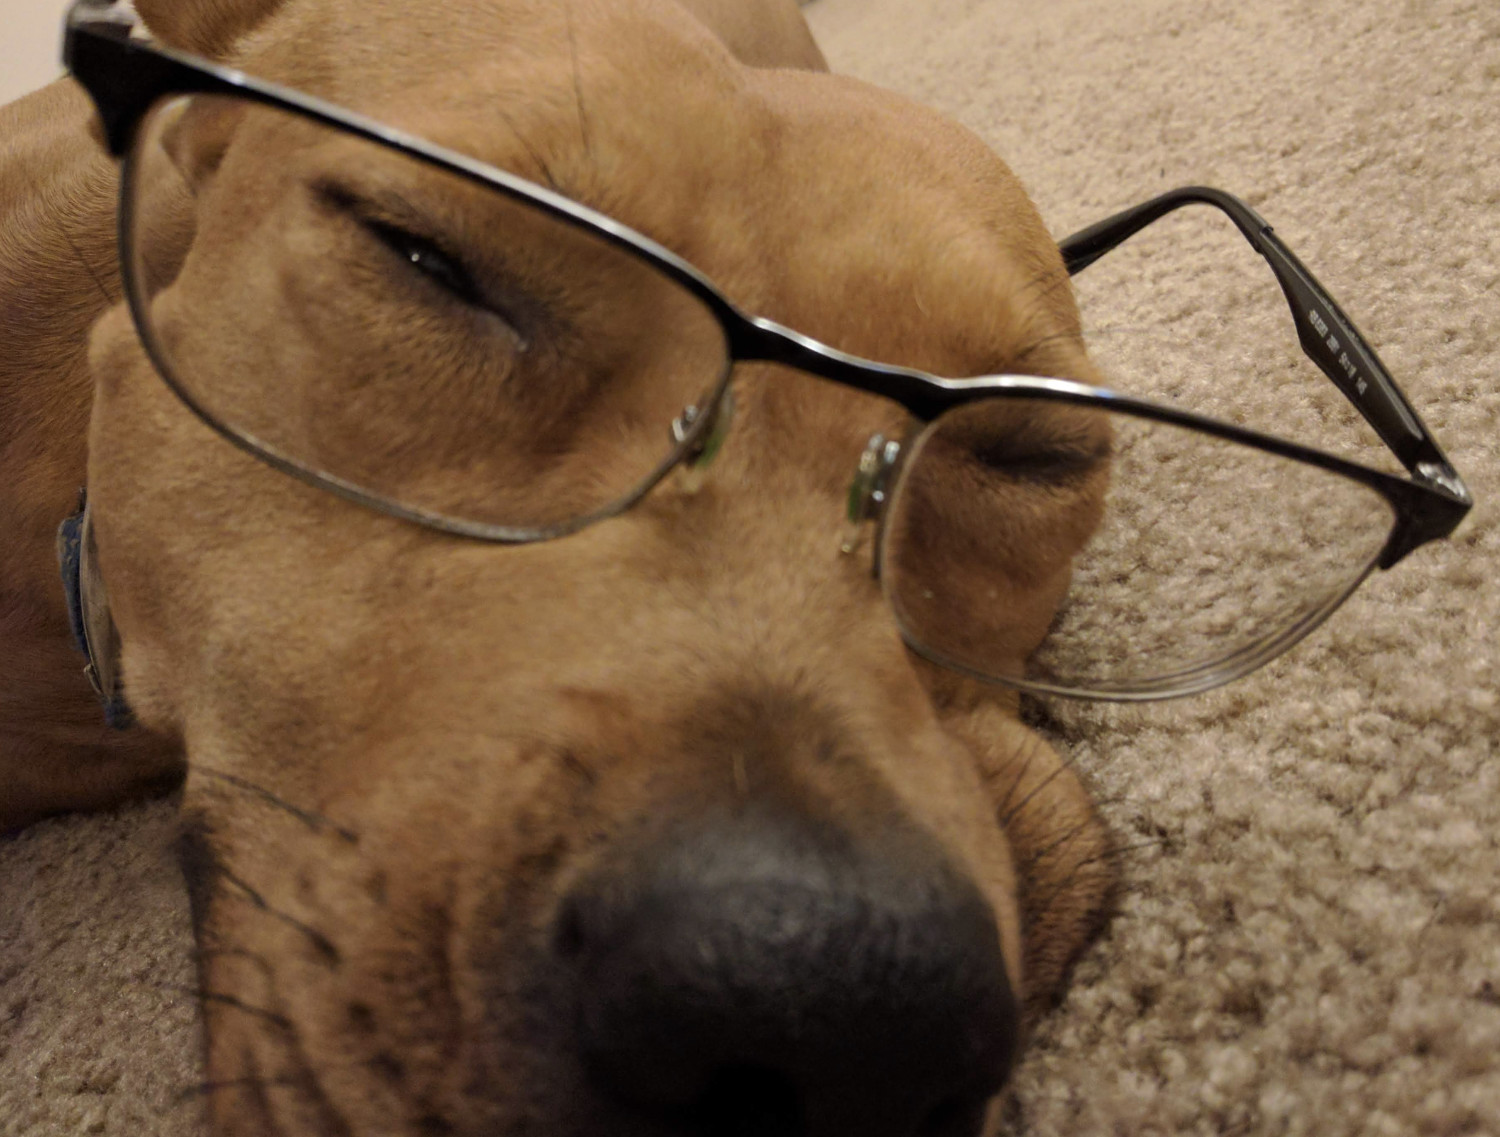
[{"x": 30, "y": 45}]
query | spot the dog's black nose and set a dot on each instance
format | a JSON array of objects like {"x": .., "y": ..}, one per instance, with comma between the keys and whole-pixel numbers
[{"x": 766, "y": 975}]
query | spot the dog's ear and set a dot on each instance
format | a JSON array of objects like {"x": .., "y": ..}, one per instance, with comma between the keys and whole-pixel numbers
[
  {"x": 197, "y": 137},
  {"x": 207, "y": 27}
]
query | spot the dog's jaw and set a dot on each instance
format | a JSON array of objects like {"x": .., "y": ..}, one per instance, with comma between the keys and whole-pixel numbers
[{"x": 391, "y": 961}]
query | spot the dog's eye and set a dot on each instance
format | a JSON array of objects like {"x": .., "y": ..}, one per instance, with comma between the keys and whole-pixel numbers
[
  {"x": 1050, "y": 461},
  {"x": 1008, "y": 442},
  {"x": 428, "y": 258}
]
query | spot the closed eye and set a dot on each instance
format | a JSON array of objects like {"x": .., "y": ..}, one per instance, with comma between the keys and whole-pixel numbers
[
  {"x": 428, "y": 258},
  {"x": 1025, "y": 441},
  {"x": 1029, "y": 459},
  {"x": 402, "y": 229}
]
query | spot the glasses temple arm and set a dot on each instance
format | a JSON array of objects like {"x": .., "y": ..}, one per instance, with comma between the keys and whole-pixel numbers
[{"x": 1327, "y": 336}]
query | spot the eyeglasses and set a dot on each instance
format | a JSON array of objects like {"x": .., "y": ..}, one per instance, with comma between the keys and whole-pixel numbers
[{"x": 447, "y": 343}]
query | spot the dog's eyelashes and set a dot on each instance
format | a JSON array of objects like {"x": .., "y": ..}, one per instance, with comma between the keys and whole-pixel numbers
[
  {"x": 1018, "y": 459},
  {"x": 426, "y": 255},
  {"x": 1002, "y": 444},
  {"x": 430, "y": 259},
  {"x": 425, "y": 251}
]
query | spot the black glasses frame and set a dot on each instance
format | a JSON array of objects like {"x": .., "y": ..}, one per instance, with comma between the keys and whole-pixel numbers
[{"x": 125, "y": 75}]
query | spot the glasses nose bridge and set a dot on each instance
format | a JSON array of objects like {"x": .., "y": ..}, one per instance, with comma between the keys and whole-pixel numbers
[
  {"x": 760, "y": 340},
  {"x": 870, "y": 486}
]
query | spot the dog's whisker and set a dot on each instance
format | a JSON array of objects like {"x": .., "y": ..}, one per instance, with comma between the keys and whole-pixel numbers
[
  {"x": 204, "y": 954},
  {"x": 219, "y": 997},
  {"x": 1118, "y": 852},
  {"x": 1046, "y": 283},
  {"x": 324, "y": 946},
  {"x": 1121, "y": 850},
  {"x": 1056, "y": 845},
  {"x": 1035, "y": 911},
  {"x": 1040, "y": 342},
  {"x": 1009, "y": 815},
  {"x": 317, "y": 822},
  {"x": 250, "y": 1081},
  {"x": 225, "y": 1000},
  {"x": 1105, "y": 804},
  {"x": 1003, "y": 809},
  {"x": 303, "y": 1076}
]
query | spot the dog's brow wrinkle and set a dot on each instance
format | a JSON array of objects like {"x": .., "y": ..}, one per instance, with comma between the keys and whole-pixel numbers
[
  {"x": 362, "y": 1017},
  {"x": 532, "y": 152},
  {"x": 583, "y": 122},
  {"x": 319, "y": 823},
  {"x": 1046, "y": 282},
  {"x": 376, "y": 886}
]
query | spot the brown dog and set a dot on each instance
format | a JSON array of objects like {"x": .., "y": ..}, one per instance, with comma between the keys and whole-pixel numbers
[{"x": 465, "y": 817}]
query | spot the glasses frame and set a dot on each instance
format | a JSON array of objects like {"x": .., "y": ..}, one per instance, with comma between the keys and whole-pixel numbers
[{"x": 125, "y": 75}]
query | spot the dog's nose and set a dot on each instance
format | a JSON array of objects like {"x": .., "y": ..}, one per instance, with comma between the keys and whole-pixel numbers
[{"x": 766, "y": 975}]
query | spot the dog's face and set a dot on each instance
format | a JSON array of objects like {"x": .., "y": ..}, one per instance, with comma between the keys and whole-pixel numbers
[{"x": 658, "y": 827}]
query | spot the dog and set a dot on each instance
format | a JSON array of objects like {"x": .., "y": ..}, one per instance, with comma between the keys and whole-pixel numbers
[{"x": 656, "y": 828}]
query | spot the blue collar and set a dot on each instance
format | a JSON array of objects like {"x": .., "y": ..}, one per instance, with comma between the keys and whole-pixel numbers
[{"x": 88, "y": 614}]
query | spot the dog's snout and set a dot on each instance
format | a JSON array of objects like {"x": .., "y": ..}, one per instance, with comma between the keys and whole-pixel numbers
[{"x": 767, "y": 975}]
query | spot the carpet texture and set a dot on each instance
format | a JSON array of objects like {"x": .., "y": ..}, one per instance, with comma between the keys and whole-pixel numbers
[{"x": 1308, "y": 941}]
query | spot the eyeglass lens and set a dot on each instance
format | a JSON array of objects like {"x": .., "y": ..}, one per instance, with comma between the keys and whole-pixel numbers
[
  {"x": 428, "y": 340},
  {"x": 1170, "y": 557}
]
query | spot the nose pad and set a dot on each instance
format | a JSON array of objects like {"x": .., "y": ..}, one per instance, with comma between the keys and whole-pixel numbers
[
  {"x": 764, "y": 975},
  {"x": 869, "y": 489},
  {"x": 706, "y": 440}
]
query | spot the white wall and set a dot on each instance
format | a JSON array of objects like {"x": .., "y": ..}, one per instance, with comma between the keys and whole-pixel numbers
[{"x": 30, "y": 45}]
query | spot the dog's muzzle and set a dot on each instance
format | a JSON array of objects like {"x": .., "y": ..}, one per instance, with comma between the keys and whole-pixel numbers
[{"x": 761, "y": 973}]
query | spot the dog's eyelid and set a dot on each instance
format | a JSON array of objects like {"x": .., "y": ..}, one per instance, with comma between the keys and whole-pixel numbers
[
  {"x": 431, "y": 258},
  {"x": 410, "y": 233},
  {"x": 382, "y": 204},
  {"x": 1040, "y": 460},
  {"x": 393, "y": 219},
  {"x": 1042, "y": 450}
]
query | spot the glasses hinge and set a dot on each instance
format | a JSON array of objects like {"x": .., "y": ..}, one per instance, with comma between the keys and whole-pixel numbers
[{"x": 1444, "y": 478}]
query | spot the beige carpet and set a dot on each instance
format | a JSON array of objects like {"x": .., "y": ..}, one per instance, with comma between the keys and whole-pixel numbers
[{"x": 1310, "y": 938}]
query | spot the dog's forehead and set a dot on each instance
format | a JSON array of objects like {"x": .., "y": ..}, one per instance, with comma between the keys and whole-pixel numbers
[{"x": 804, "y": 195}]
